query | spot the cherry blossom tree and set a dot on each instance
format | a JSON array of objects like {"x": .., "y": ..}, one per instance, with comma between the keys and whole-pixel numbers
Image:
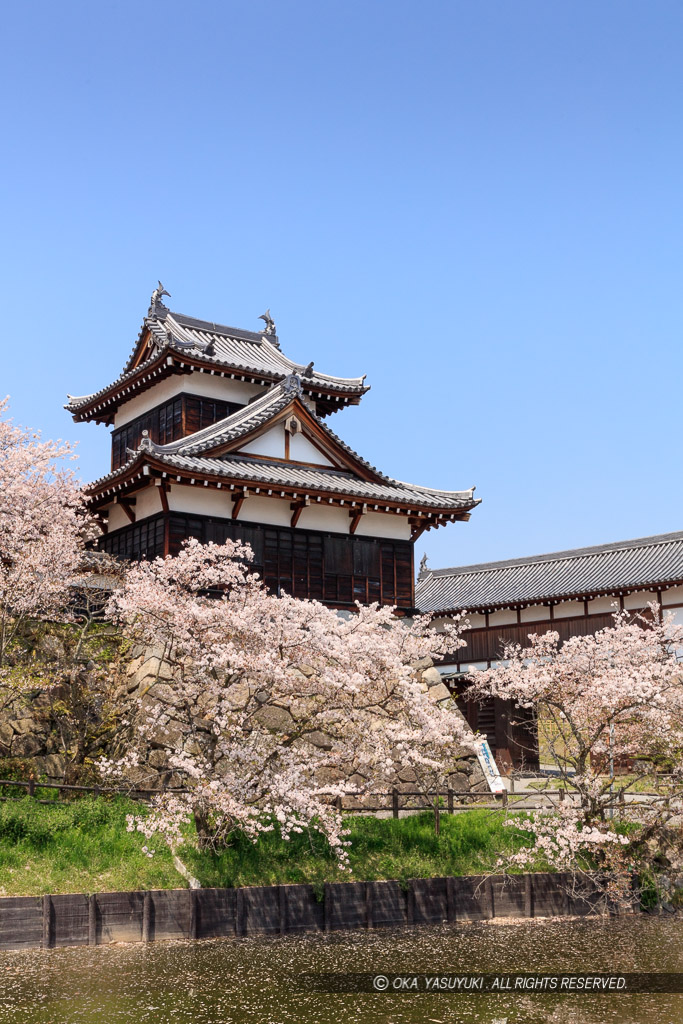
[
  {"x": 285, "y": 705},
  {"x": 42, "y": 524},
  {"x": 609, "y": 713},
  {"x": 55, "y": 654}
]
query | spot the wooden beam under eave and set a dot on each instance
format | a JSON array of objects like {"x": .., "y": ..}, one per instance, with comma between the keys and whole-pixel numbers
[
  {"x": 355, "y": 520},
  {"x": 128, "y": 507},
  {"x": 163, "y": 494},
  {"x": 297, "y": 508},
  {"x": 237, "y": 503}
]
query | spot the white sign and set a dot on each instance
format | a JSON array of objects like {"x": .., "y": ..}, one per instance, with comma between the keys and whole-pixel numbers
[{"x": 489, "y": 767}]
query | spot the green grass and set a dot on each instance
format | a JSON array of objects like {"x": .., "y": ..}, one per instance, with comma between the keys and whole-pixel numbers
[
  {"x": 83, "y": 846},
  {"x": 470, "y": 843}
]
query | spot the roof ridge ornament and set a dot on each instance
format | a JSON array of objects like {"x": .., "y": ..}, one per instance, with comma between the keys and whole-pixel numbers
[
  {"x": 291, "y": 384},
  {"x": 423, "y": 567},
  {"x": 156, "y": 306},
  {"x": 270, "y": 330},
  {"x": 146, "y": 445}
]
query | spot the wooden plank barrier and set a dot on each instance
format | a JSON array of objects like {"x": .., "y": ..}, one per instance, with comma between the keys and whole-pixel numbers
[{"x": 29, "y": 922}]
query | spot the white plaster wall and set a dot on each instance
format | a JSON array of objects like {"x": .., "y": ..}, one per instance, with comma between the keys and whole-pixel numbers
[
  {"x": 325, "y": 517},
  {"x": 203, "y": 501},
  {"x": 384, "y": 524},
  {"x": 273, "y": 511},
  {"x": 270, "y": 443},
  {"x": 302, "y": 450},
  {"x": 640, "y": 599},
  {"x": 506, "y": 617},
  {"x": 534, "y": 613},
  {"x": 117, "y": 518},
  {"x": 148, "y": 502},
  {"x": 673, "y": 596},
  {"x": 567, "y": 609},
  {"x": 193, "y": 384},
  {"x": 601, "y": 605}
]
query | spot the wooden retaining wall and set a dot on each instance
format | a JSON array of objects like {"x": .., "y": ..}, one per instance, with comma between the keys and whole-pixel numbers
[{"x": 28, "y": 922}]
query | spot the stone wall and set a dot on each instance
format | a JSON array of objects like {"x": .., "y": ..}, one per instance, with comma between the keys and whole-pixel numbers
[
  {"x": 29, "y": 729},
  {"x": 149, "y": 682}
]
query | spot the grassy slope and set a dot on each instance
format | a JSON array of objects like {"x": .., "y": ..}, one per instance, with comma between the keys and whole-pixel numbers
[
  {"x": 84, "y": 847},
  {"x": 76, "y": 847}
]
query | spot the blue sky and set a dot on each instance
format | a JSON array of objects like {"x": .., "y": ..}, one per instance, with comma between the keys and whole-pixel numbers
[{"x": 479, "y": 205}]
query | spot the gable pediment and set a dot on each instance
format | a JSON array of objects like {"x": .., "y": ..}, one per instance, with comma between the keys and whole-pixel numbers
[
  {"x": 293, "y": 434},
  {"x": 281, "y": 443}
]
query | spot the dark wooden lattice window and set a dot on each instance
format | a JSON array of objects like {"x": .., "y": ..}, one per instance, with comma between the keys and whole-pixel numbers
[
  {"x": 325, "y": 567},
  {"x": 179, "y": 417}
]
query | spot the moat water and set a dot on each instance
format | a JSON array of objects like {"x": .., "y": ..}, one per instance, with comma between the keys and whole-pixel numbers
[{"x": 258, "y": 981}]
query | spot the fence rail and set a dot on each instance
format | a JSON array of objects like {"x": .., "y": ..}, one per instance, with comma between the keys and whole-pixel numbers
[{"x": 453, "y": 800}]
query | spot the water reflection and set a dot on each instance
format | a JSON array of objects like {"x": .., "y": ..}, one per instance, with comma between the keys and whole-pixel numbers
[{"x": 251, "y": 980}]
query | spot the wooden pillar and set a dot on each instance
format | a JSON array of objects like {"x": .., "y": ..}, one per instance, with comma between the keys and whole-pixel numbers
[
  {"x": 192, "y": 930},
  {"x": 48, "y": 931},
  {"x": 147, "y": 917},
  {"x": 240, "y": 916},
  {"x": 92, "y": 919},
  {"x": 282, "y": 899},
  {"x": 451, "y": 912}
]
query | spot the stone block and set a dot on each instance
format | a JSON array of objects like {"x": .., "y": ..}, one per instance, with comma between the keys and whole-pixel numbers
[
  {"x": 439, "y": 693},
  {"x": 26, "y": 746},
  {"x": 55, "y": 766},
  {"x": 274, "y": 718},
  {"x": 431, "y": 676}
]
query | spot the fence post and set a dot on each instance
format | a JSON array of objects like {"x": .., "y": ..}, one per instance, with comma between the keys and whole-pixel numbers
[
  {"x": 437, "y": 815},
  {"x": 47, "y": 922},
  {"x": 193, "y": 914},
  {"x": 31, "y": 787},
  {"x": 505, "y": 798},
  {"x": 327, "y": 907},
  {"x": 92, "y": 919},
  {"x": 146, "y": 917},
  {"x": 562, "y": 794},
  {"x": 622, "y": 803},
  {"x": 512, "y": 783},
  {"x": 394, "y": 802},
  {"x": 450, "y": 800}
]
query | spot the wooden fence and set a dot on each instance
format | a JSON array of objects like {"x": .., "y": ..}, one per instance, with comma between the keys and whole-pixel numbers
[
  {"x": 78, "y": 920},
  {"x": 448, "y": 801}
]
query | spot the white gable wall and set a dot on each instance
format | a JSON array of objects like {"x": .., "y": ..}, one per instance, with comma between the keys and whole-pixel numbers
[
  {"x": 271, "y": 443},
  {"x": 303, "y": 450}
]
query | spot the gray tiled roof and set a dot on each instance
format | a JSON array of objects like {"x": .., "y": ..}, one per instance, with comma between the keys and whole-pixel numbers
[
  {"x": 286, "y": 474},
  {"x": 604, "y": 569},
  {"x": 188, "y": 454},
  {"x": 228, "y": 348},
  {"x": 252, "y": 416}
]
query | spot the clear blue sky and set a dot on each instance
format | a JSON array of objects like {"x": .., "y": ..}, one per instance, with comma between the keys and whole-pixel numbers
[{"x": 478, "y": 204}]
